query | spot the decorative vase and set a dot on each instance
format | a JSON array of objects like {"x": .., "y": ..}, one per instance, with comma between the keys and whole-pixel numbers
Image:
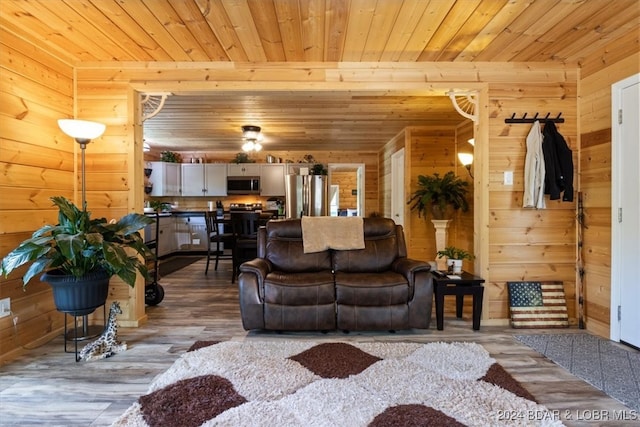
[
  {"x": 455, "y": 266},
  {"x": 78, "y": 296}
]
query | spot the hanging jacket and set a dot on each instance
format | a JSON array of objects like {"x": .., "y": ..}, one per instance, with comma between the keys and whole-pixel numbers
[
  {"x": 534, "y": 170},
  {"x": 558, "y": 164}
]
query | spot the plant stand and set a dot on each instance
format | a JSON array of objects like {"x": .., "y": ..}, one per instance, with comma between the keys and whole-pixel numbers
[
  {"x": 441, "y": 226},
  {"x": 82, "y": 332}
]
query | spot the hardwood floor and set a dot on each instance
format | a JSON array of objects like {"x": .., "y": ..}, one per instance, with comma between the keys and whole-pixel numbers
[{"x": 47, "y": 387}]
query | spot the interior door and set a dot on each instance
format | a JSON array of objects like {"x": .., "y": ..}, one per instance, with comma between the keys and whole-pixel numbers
[
  {"x": 626, "y": 207},
  {"x": 397, "y": 187}
]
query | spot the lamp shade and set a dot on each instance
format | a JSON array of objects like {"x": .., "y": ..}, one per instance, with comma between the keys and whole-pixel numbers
[
  {"x": 465, "y": 158},
  {"x": 81, "y": 129}
]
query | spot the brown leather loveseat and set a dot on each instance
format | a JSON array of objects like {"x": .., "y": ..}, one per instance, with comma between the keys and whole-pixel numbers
[{"x": 375, "y": 288}]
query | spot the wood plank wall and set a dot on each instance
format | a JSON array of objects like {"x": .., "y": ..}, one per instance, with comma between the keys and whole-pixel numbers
[
  {"x": 522, "y": 244},
  {"x": 528, "y": 244},
  {"x": 346, "y": 182},
  {"x": 384, "y": 175},
  {"x": 612, "y": 64},
  {"x": 429, "y": 150},
  {"x": 432, "y": 151},
  {"x": 463, "y": 227},
  {"x": 36, "y": 162}
]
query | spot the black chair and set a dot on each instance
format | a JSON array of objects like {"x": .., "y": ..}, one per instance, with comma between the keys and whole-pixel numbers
[
  {"x": 268, "y": 214},
  {"x": 245, "y": 230},
  {"x": 219, "y": 240}
]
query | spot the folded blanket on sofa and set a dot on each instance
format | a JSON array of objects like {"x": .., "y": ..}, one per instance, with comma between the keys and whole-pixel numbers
[{"x": 320, "y": 233}]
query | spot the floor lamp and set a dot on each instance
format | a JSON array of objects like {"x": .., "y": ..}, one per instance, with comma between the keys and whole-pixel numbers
[{"x": 83, "y": 132}]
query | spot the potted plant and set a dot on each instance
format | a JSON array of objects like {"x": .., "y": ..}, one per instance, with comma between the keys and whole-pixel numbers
[
  {"x": 79, "y": 255},
  {"x": 455, "y": 256},
  {"x": 318, "y": 169},
  {"x": 170, "y": 157},
  {"x": 242, "y": 158},
  {"x": 440, "y": 195}
]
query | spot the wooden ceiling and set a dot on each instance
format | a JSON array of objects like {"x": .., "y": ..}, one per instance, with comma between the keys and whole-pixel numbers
[
  {"x": 320, "y": 30},
  {"x": 258, "y": 31},
  {"x": 292, "y": 121}
]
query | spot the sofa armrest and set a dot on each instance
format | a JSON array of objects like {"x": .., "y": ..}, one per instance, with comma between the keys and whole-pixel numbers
[
  {"x": 251, "y": 289},
  {"x": 409, "y": 267},
  {"x": 420, "y": 282},
  {"x": 258, "y": 266}
]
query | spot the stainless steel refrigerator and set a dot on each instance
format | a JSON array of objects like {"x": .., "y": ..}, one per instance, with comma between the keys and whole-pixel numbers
[{"x": 307, "y": 195}]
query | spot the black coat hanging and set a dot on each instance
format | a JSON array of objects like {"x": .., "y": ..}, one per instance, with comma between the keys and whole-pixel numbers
[{"x": 558, "y": 164}]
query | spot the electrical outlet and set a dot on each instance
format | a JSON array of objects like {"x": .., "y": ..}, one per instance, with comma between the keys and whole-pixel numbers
[{"x": 5, "y": 307}]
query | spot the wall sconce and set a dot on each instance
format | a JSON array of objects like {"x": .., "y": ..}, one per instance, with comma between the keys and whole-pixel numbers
[
  {"x": 466, "y": 159},
  {"x": 83, "y": 131},
  {"x": 472, "y": 141},
  {"x": 252, "y": 136}
]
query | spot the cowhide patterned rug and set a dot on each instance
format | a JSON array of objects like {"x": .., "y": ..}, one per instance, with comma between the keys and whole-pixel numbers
[{"x": 306, "y": 383}]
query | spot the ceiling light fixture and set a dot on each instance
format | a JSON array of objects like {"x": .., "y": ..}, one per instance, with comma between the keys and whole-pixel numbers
[
  {"x": 466, "y": 159},
  {"x": 252, "y": 135}
]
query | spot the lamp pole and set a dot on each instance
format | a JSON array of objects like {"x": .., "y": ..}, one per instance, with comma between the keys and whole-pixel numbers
[{"x": 83, "y": 145}]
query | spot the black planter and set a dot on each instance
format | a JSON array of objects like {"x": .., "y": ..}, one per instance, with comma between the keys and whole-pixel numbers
[{"x": 78, "y": 296}]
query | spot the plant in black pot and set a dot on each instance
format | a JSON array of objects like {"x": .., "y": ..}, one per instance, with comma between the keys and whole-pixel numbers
[{"x": 79, "y": 255}]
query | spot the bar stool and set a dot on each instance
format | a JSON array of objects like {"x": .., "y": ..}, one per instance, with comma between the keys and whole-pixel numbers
[{"x": 218, "y": 238}]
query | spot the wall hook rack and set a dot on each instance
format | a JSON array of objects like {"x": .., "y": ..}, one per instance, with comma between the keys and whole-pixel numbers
[{"x": 525, "y": 119}]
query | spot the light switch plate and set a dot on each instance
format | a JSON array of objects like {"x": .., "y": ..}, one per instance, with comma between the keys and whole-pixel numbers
[
  {"x": 508, "y": 177},
  {"x": 5, "y": 307}
]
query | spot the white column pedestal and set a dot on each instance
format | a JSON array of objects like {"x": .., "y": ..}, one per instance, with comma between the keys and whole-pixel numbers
[{"x": 441, "y": 226}]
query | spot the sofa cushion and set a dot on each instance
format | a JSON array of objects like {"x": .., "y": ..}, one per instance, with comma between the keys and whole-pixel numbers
[
  {"x": 285, "y": 251},
  {"x": 381, "y": 249},
  {"x": 299, "y": 288},
  {"x": 371, "y": 289}
]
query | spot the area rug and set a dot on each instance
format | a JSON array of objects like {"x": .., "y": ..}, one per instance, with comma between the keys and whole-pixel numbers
[
  {"x": 175, "y": 263},
  {"x": 602, "y": 363},
  {"x": 306, "y": 383}
]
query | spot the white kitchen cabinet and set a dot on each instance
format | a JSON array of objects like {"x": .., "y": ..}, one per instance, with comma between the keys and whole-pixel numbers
[
  {"x": 243, "y": 169},
  {"x": 165, "y": 178},
  {"x": 191, "y": 233},
  {"x": 167, "y": 242},
  {"x": 207, "y": 180},
  {"x": 272, "y": 179}
]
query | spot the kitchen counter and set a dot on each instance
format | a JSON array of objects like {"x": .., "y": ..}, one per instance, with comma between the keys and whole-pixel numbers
[{"x": 177, "y": 213}]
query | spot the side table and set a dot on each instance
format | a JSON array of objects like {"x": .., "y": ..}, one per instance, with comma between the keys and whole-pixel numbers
[{"x": 467, "y": 284}]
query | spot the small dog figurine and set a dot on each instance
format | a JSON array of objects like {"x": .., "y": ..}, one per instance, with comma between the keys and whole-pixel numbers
[{"x": 107, "y": 344}]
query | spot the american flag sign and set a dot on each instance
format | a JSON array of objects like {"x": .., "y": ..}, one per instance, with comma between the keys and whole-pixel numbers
[{"x": 537, "y": 305}]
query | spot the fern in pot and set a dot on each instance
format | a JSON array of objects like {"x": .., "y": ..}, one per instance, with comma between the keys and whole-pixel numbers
[
  {"x": 440, "y": 195},
  {"x": 79, "y": 255}
]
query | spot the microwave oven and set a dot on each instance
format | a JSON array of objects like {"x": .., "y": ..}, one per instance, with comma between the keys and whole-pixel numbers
[{"x": 243, "y": 185}]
